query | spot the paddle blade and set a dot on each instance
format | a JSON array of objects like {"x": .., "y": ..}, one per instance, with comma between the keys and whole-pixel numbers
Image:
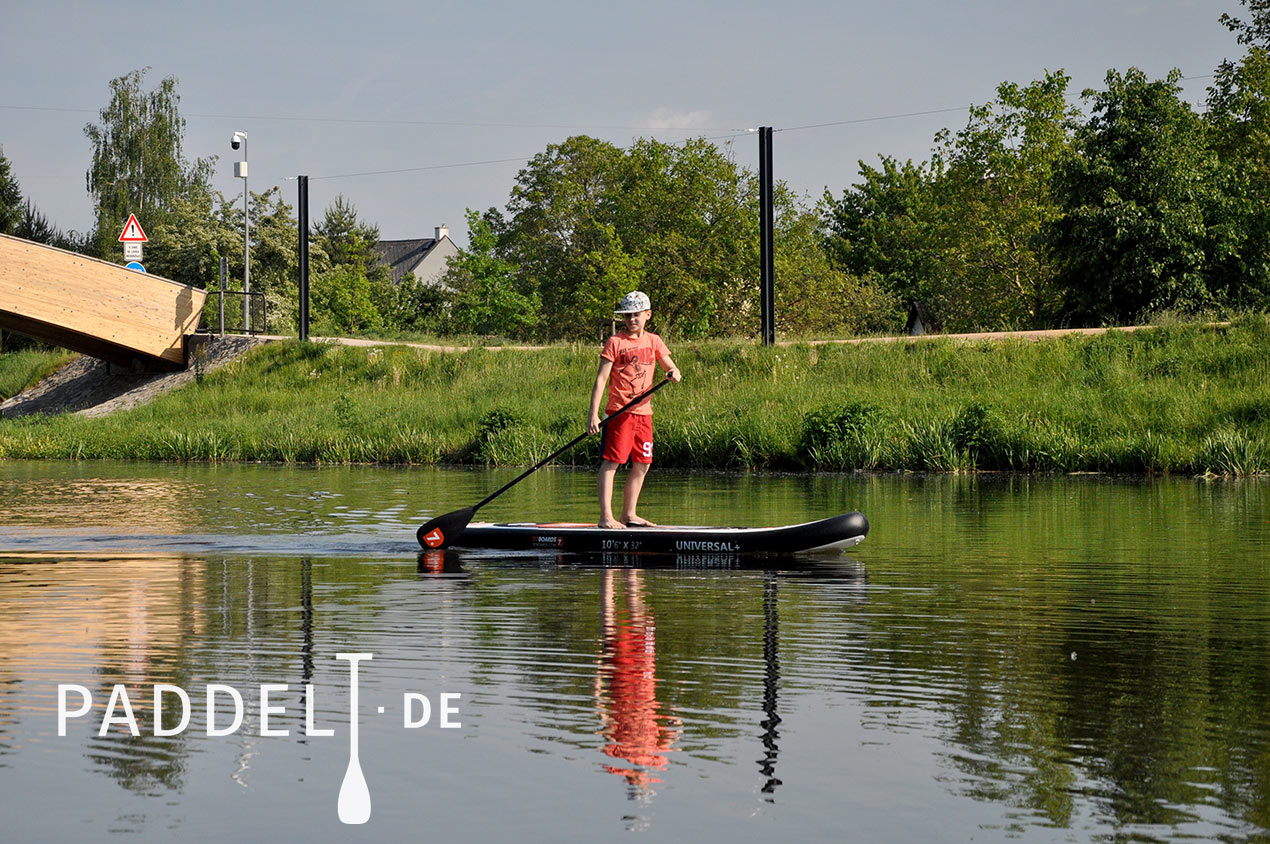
[{"x": 443, "y": 530}]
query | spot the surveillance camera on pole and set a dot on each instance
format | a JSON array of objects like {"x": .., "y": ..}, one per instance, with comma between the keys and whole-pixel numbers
[{"x": 239, "y": 139}]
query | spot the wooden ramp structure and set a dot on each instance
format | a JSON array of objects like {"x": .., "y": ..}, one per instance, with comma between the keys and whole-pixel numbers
[{"x": 94, "y": 307}]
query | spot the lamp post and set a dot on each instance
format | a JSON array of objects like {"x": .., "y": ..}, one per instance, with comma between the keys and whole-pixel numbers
[{"x": 240, "y": 172}]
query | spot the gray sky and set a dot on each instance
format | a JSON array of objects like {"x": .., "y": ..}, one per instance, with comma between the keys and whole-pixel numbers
[{"x": 329, "y": 89}]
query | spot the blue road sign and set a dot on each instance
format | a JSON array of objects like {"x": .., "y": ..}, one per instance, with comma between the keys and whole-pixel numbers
[{"x": 135, "y": 265}]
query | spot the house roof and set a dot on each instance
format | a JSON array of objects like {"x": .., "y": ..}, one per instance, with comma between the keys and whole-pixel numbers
[{"x": 402, "y": 256}]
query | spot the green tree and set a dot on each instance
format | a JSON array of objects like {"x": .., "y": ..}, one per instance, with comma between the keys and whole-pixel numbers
[
  {"x": 560, "y": 200},
  {"x": 994, "y": 192},
  {"x": 689, "y": 215},
  {"x": 1132, "y": 238},
  {"x": 188, "y": 243},
  {"x": 347, "y": 239},
  {"x": 35, "y": 226},
  {"x": 10, "y": 198},
  {"x": 414, "y": 305},
  {"x": 21, "y": 218},
  {"x": 961, "y": 232},
  {"x": 342, "y": 302},
  {"x": 275, "y": 259},
  {"x": 351, "y": 242},
  {"x": 1239, "y": 118},
  {"x": 604, "y": 272},
  {"x": 203, "y": 226},
  {"x": 587, "y": 222},
  {"x": 813, "y": 297},
  {"x": 138, "y": 166},
  {"x": 886, "y": 226},
  {"x": 482, "y": 288}
]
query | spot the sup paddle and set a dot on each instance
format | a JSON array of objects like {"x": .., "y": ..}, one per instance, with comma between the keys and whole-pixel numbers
[{"x": 443, "y": 530}]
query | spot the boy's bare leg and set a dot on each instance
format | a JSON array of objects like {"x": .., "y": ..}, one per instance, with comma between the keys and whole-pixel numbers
[
  {"x": 604, "y": 489},
  {"x": 630, "y": 494}
]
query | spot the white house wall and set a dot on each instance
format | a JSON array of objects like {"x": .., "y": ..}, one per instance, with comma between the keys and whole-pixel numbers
[{"x": 433, "y": 265}]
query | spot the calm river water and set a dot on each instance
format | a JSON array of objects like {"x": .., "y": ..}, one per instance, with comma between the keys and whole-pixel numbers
[{"x": 1023, "y": 659}]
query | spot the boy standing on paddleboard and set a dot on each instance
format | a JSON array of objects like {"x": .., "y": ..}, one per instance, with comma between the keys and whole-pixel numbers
[{"x": 627, "y": 364}]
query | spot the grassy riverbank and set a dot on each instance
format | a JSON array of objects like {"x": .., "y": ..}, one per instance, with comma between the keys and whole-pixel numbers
[
  {"x": 20, "y": 369},
  {"x": 1176, "y": 399}
]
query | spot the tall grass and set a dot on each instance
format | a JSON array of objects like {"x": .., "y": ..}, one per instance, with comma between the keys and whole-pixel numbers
[
  {"x": 20, "y": 369},
  {"x": 1173, "y": 399}
]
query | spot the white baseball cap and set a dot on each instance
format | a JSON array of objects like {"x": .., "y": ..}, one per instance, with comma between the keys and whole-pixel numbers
[{"x": 633, "y": 303}]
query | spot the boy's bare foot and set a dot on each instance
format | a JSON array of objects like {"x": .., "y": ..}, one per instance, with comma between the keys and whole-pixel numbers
[
  {"x": 639, "y": 521},
  {"x": 612, "y": 524}
]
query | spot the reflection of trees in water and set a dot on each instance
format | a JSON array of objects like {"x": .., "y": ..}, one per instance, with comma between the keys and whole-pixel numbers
[
  {"x": 1159, "y": 589},
  {"x": 142, "y": 764},
  {"x": 710, "y": 634},
  {"x": 122, "y": 619},
  {"x": 140, "y": 505},
  {"x": 146, "y": 619},
  {"x": 1159, "y": 718},
  {"x": 1179, "y": 718},
  {"x": 1116, "y": 695}
]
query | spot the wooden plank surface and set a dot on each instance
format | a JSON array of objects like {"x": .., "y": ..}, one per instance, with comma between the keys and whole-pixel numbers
[{"x": 81, "y": 296}]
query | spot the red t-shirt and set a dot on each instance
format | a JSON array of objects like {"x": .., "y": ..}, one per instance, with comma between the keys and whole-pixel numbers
[{"x": 634, "y": 363}]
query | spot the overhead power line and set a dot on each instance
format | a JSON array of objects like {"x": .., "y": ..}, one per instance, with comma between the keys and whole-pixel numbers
[
  {"x": 420, "y": 169},
  {"x": 871, "y": 119},
  {"x": 379, "y": 122},
  {"x": 518, "y": 158},
  {"x": 514, "y": 125},
  {"x": 727, "y": 134}
]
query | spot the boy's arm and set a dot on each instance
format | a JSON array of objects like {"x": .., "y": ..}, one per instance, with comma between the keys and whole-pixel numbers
[
  {"x": 672, "y": 371},
  {"x": 597, "y": 394}
]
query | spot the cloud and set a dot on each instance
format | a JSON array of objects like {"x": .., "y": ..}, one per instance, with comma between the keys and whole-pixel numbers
[{"x": 669, "y": 118}]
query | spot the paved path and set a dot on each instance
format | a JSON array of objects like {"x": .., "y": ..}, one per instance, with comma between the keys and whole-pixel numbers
[
  {"x": 984, "y": 335},
  {"x": 431, "y": 347}
]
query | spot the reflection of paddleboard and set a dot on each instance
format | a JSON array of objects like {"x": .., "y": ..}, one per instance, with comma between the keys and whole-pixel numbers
[{"x": 835, "y": 532}]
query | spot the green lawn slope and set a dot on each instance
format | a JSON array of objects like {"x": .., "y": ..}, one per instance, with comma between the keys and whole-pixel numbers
[{"x": 1171, "y": 399}]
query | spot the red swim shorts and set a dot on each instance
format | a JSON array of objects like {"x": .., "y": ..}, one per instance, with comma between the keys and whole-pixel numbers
[{"x": 629, "y": 436}]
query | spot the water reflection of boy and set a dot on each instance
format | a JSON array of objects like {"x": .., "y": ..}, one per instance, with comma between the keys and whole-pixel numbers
[{"x": 629, "y": 713}]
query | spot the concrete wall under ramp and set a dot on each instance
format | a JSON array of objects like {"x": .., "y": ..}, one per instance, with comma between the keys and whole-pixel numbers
[{"x": 95, "y": 307}]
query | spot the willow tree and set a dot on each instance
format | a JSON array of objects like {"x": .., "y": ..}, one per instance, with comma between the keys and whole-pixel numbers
[{"x": 138, "y": 166}]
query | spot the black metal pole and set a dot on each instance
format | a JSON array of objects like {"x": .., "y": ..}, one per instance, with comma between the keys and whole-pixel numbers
[
  {"x": 767, "y": 263},
  {"x": 224, "y": 276},
  {"x": 303, "y": 213}
]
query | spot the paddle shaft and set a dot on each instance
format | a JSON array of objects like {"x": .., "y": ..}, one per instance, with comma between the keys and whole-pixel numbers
[{"x": 487, "y": 499}]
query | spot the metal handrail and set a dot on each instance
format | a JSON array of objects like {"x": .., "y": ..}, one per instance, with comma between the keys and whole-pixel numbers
[{"x": 237, "y": 322}]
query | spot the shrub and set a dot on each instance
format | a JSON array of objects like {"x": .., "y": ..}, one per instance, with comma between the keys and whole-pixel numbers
[
  {"x": 847, "y": 436},
  {"x": 1231, "y": 453}
]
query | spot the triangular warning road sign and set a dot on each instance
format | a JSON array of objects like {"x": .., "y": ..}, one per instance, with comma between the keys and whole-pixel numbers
[{"x": 132, "y": 232}]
